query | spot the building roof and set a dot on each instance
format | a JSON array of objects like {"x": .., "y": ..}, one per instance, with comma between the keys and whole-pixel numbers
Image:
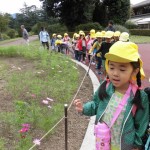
[
  {"x": 144, "y": 3},
  {"x": 141, "y": 19}
]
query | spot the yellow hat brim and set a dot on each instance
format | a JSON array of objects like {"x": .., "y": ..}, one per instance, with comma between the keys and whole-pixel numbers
[{"x": 125, "y": 61}]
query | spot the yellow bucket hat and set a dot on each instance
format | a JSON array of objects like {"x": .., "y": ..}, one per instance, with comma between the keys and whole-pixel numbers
[
  {"x": 103, "y": 33},
  {"x": 54, "y": 34},
  {"x": 99, "y": 35},
  {"x": 92, "y": 31},
  {"x": 109, "y": 34},
  {"x": 124, "y": 37},
  {"x": 59, "y": 36},
  {"x": 117, "y": 33},
  {"x": 124, "y": 52},
  {"x": 92, "y": 35},
  {"x": 80, "y": 32},
  {"x": 65, "y": 34}
]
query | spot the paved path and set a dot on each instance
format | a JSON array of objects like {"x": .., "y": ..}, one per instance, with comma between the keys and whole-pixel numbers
[{"x": 19, "y": 41}]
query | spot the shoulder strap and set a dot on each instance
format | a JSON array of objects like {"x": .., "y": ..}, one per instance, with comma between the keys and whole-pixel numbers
[
  {"x": 134, "y": 89},
  {"x": 121, "y": 105}
]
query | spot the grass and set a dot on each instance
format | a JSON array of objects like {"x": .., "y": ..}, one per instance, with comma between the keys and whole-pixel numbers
[
  {"x": 52, "y": 75},
  {"x": 140, "y": 39}
]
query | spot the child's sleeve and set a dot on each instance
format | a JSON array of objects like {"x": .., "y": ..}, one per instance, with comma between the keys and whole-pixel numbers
[
  {"x": 141, "y": 120},
  {"x": 90, "y": 108},
  {"x": 92, "y": 48}
]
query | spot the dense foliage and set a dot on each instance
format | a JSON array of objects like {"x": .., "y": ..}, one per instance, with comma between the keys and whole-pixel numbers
[{"x": 76, "y": 12}]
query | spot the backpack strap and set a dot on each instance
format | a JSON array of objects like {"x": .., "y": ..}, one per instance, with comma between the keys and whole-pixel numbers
[{"x": 134, "y": 89}]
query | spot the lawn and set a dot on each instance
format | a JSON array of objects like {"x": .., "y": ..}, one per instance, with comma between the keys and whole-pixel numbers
[
  {"x": 140, "y": 39},
  {"x": 36, "y": 85}
]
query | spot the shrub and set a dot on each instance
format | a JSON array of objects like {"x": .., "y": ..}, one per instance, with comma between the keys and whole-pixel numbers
[
  {"x": 120, "y": 28},
  {"x": 57, "y": 28},
  {"x": 37, "y": 27},
  {"x": 142, "y": 32},
  {"x": 131, "y": 25},
  {"x": 11, "y": 33},
  {"x": 89, "y": 26},
  {"x": 5, "y": 37}
]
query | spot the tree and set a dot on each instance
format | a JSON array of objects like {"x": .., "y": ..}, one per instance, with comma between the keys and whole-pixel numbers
[
  {"x": 4, "y": 21},
  {"x": 70, "y": 12},
  {"x": 117, "y": 10},
  {"x": 99, "y": 13}
]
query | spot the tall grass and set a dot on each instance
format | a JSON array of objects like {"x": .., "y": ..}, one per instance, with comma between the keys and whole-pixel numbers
[{"x": 50, "y": 75}]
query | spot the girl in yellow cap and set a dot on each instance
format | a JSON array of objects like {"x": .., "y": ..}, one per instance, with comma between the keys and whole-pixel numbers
[
  {"x": 54, "y": 38},
  {"x": 120, "y": 105},
  {"x": 66, "y": 42}
]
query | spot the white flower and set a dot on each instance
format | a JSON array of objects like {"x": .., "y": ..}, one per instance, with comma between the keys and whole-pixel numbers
[
  {"x": 59, "y": 71},
  {"x": 52, "y": 68},
  {"x": 49, "y": 99},
  {"x": 37, "y": 142},
  {"x": 39, "y": 72},
  {"x": 13, "y": 67},
  {"x": 19, "y": 68},
  {"x": 49, "y": 106},
  {"x": 44, "y": 101}
]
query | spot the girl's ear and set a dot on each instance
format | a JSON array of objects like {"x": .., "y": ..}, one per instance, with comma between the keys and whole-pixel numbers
[{"x": 134, "y": 73}]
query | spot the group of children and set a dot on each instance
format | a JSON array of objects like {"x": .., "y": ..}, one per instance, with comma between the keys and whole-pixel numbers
[
  {"x": 61, "y": 44},
  {"x": 120, "y": 104},
  {"x": 95, "y": 45}
]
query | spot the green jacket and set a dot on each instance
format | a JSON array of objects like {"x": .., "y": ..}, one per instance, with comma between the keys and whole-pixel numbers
[{"x": 133, "y": 127}]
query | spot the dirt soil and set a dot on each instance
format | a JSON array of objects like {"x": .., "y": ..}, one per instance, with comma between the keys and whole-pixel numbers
[{"x": 77, "y": 124}]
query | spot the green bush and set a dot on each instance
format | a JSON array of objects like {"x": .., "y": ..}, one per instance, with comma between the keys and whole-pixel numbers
[
  {"x": 89, "y": 26},
  {"x": 120, "y": 28},
  {"x": 5, "y": 36},
  {"x": 57, "y": 28},
  {"x": 11, "y": 33},
  {"x": 142, "y": 32},
  {"x": 131, "y": 25},
  {"x": 37, "y": 27}
]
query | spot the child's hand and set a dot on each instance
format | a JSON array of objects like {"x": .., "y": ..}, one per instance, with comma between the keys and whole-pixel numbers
[{"x": 78, "y": 105}]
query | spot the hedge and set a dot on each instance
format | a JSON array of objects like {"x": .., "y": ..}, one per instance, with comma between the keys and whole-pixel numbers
[{"x": 142, "y": 32}]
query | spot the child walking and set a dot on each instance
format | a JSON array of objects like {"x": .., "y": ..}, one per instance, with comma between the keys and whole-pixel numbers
[{"x": 120, "y": 93}]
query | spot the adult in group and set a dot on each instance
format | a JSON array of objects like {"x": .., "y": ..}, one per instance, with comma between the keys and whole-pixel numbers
[
  {"x": 110, "y": 26},
  {"x": 25, "y": 34},
  {"x": 44, "y": 37}
]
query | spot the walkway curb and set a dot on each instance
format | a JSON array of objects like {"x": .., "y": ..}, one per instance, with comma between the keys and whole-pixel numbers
[{"x": 89, "y": 139}]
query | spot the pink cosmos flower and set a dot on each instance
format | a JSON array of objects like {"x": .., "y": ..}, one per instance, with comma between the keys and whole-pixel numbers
[
  {"x": 23, "y": 130},
  {"x": 26, "y": 125},
  {"x": 44, "y": 101},
  {"x": 33, "y": 95}
]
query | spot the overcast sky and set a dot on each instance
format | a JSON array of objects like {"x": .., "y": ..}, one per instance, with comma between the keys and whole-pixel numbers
[{"x": 13, "y": 6}]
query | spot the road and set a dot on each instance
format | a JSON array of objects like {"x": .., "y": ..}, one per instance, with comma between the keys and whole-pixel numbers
[{"x": 19, "y": 41}]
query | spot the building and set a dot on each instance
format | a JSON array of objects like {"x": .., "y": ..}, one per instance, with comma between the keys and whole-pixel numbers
[{"x": 141, "y": 14}]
